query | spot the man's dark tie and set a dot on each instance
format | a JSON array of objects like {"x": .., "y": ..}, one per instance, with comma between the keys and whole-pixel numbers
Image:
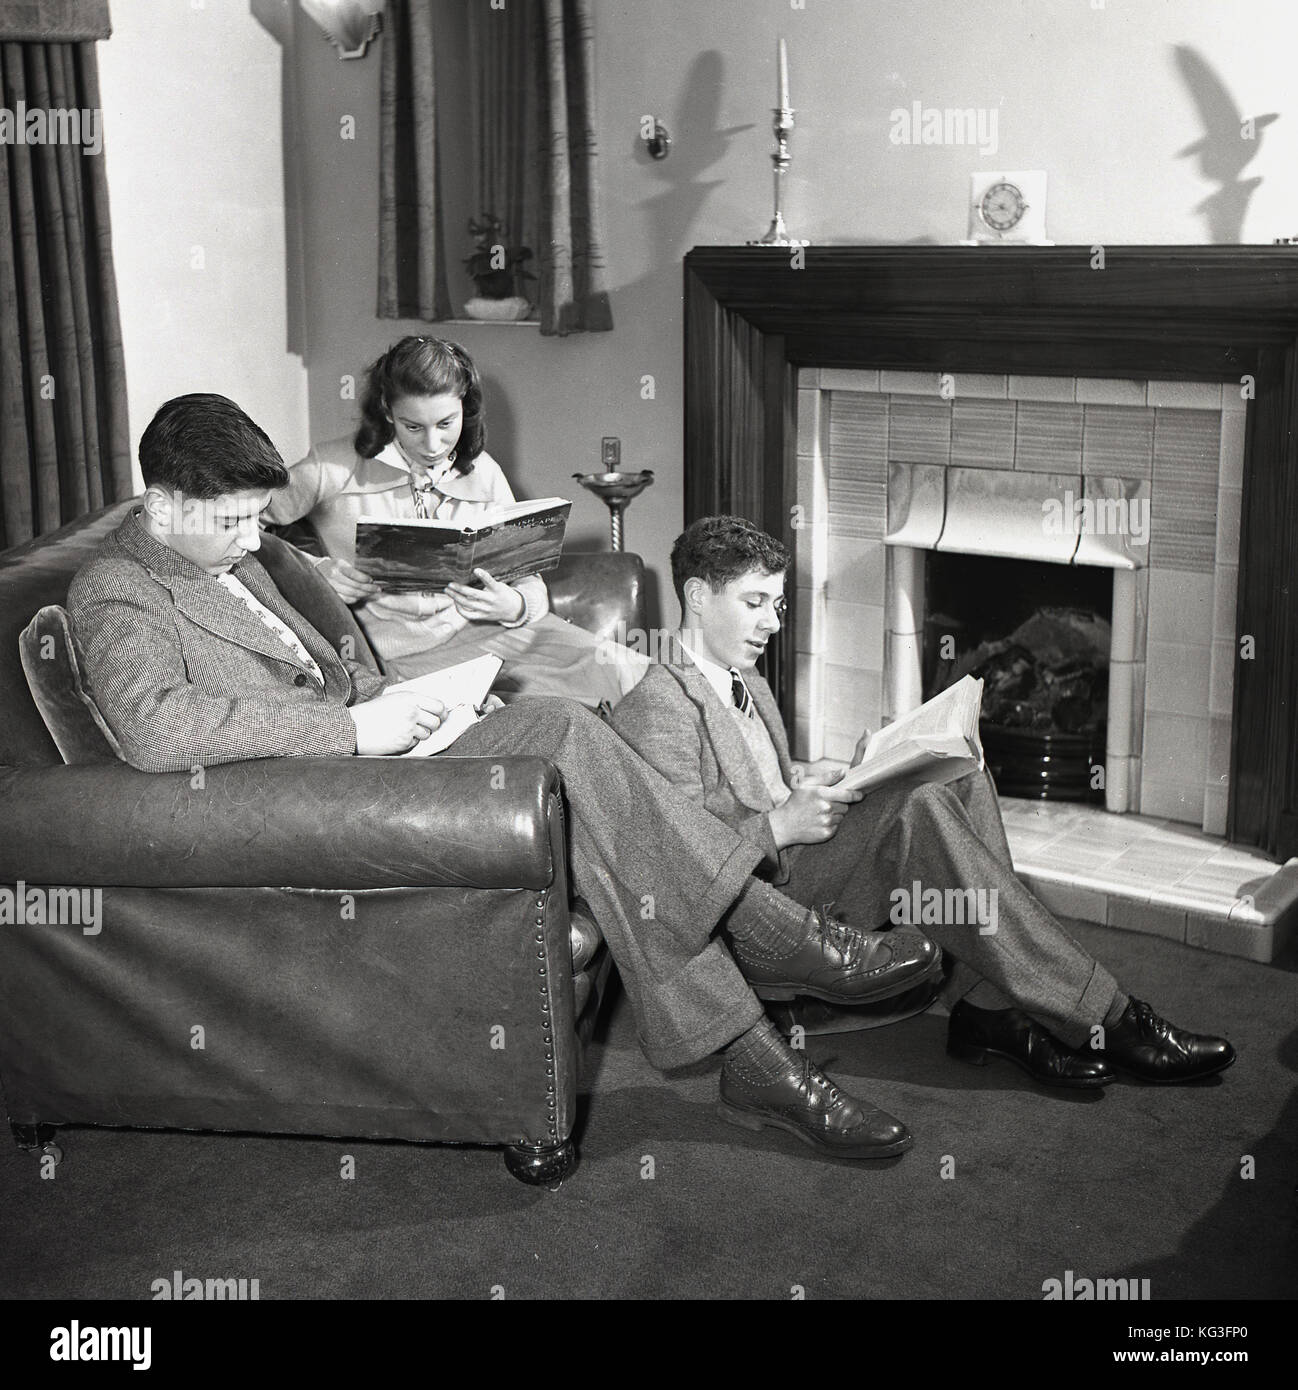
[{"x": 742, "y": 700}]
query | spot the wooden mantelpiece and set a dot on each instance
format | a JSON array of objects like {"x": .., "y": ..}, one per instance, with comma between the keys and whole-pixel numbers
[{"x": 1172, "y": 312}]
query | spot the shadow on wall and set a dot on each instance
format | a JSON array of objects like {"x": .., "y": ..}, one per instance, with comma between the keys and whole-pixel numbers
[
  {"x": 1230, "y": 141},
  {"x": 698, "y": 144}
]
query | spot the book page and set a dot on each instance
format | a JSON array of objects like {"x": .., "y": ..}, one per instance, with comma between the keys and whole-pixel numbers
[
  {"x": 462, "y": 689},
  {"x": 954, "y": 710},
  {"x": 424, "y": 523},
  {"x": 492, "y": 516},
  {"x": 925, "y": 758},
  {"x": 511, "y": 510}
]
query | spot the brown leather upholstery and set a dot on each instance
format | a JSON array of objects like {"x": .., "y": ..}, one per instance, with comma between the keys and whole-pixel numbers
[
  {"x": 369, "y": 947},
  {"x": 603, "y": 591}
]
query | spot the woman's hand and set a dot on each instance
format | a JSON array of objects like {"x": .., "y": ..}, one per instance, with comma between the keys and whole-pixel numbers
[
  {"x": 352, "y": 585},
  {"x": 493, "y": 603}
]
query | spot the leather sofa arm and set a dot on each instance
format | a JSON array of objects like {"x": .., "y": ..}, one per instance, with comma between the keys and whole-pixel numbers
[{"x": 290, "y": 822}]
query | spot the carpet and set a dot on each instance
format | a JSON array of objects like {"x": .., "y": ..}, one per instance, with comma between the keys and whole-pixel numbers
[{"x": 1009, "y": 1185}]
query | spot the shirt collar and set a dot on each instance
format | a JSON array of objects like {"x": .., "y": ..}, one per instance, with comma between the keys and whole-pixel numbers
[
  {"x": 391, "y": 454},
  {"x": 718, "y": 677}
]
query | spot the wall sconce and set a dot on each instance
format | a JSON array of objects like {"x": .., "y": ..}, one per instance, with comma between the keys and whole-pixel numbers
[
  {"x": 659, "y": 144},
  {"x": 348, "y": 24}
]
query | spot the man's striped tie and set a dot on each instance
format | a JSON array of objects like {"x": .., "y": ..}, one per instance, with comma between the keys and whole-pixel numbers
[{"x": 743, "y": 701}]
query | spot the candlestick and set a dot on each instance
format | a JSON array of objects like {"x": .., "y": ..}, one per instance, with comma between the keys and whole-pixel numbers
[
  {"x": 782, "y": 126},
  {"x": 777, "y": 233}
]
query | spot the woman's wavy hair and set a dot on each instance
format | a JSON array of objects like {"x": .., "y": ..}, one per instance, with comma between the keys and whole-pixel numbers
[{"x": 422, "y": 367}]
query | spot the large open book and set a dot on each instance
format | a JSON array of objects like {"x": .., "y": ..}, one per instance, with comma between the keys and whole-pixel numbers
[
  {"x": 462, "y": 689},
  {"x": 414, "y": 556},
  {"x": 937, "y": 742}
]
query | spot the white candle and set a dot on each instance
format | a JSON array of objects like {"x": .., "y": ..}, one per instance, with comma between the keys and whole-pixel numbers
[{"x": 783, "y": 59}]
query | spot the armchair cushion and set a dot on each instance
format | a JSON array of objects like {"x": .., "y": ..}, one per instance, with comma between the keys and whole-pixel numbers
[{"x": 59, "y": 688}]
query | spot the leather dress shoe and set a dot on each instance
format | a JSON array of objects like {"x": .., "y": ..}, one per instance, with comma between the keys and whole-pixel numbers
[
  {"x": 838, "y": 963},
  {"x": 817, "y": 1017},
  {"x": 805, "y": 1102},
  {"x": 1148, "y": 1047},
  {"x": 977, "y": 1035}
]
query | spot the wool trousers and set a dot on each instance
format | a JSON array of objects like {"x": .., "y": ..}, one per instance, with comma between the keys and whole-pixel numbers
[
  {"x": 898, "y": 843},
  {"x": 657, "y": 870}
]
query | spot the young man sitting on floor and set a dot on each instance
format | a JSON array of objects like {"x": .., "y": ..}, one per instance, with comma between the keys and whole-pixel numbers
[{"x": 708, "y": 722}]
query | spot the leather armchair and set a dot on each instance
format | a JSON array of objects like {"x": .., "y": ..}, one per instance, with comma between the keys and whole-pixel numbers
[{"x": 358, "y": 948}]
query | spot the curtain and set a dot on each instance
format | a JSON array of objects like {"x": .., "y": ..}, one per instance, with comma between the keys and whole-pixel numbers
[
  {"x": 535, "y": 163},
  {"x": 506, "y": 170},
  {"x": 412, "y": 251},
  {"x": 573, "y": 292},
  {"x": 64, "y": 443}
]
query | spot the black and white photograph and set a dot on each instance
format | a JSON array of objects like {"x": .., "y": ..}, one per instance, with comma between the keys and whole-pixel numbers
[{"x": 650, "y": 652}]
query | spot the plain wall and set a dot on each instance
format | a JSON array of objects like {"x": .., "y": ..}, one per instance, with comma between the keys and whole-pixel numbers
[
  {"x": 210, "y": 142},
  {"x": 1090, "y": 94},
  {"x": 193, "y": 119}
]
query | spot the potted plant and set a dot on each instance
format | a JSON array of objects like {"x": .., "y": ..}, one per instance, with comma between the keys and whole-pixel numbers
[{"x": 498, "y": 273}]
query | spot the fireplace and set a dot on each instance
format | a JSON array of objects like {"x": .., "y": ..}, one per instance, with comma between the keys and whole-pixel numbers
[
  {"x": 1111, "y": 343},
  {"x": 1135, "y": 483}
]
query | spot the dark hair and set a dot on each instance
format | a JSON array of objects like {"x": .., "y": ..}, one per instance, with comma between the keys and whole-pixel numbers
[
  {"x": 205, "y": 446},
  {"x": 721, "y": 548},
  {"x": 422, "y": 367}
]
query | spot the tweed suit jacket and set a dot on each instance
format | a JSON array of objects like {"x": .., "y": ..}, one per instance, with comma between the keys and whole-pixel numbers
[
  {"x": 677, "y": 723},
  {"x": 163, "y": 645}
]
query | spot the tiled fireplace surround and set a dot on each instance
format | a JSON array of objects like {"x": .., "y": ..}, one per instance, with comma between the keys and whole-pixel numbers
[
  {"x": 892, "y": 463},
  {"x": 879, "y": 453}
]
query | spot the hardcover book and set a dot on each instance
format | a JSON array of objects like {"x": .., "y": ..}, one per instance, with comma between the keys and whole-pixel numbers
[{"x": 417, "y": 556}]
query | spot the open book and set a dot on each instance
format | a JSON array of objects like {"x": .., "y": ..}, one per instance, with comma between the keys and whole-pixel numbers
[
  {"x": 418, "y": 555},
  {"x": 937, "y": 742},
  {"x": 462, "y": 689}
]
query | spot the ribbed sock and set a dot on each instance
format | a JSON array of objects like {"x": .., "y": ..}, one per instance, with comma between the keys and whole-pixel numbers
[
  {"x": 1117, "y": 1009},
  {"x": 769, "y": 923},
  {"x": 759, "y": 1055}
]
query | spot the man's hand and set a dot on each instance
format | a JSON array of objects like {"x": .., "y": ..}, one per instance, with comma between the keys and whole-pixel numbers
[
  {"x": 395, "y": 723},
  {"x": 493, "y": 603},
  {"x": 806, "y": 775},
  {"x": 352, "y": 585},
  {"x": 811, "y": 815}
]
